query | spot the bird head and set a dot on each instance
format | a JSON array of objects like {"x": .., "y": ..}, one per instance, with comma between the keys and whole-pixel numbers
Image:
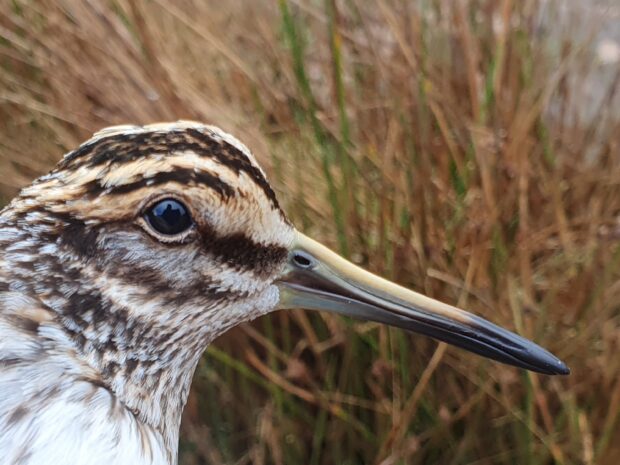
[
  {"x": 180, "y": 228},
  {"x": 173, "y": 221}
]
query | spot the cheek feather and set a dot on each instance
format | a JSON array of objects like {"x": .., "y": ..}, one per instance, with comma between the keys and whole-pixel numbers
[{"x": 222, "y": 268}]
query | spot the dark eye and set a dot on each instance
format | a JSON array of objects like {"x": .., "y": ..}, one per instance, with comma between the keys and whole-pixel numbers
[
  {"x": 169, "y": 217},
  {"x": 302, "y": 260}
]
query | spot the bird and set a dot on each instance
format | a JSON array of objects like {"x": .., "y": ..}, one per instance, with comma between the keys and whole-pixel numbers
[{"x": 122, "y": 264}]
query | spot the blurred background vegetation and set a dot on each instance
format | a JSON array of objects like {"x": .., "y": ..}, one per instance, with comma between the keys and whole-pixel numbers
[{"x": 469, "y": 149}]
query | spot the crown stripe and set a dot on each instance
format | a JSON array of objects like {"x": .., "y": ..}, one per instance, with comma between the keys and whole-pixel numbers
[
  {"x": 124, "y": 148},
  {"x": 182, "y": 176}
]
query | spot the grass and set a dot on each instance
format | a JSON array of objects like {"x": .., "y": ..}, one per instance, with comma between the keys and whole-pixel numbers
[{"x": 441, "y": 144}]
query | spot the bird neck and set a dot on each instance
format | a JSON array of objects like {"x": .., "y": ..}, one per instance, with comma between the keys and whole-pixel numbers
[{"x": 115, "y": 330}]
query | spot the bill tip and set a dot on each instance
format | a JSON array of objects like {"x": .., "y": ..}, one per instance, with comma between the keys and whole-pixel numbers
[{"x": 562, "y": 368}]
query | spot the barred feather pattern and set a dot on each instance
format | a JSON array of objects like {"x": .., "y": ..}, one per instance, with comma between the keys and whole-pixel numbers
[{"x": 102, "y": 321}]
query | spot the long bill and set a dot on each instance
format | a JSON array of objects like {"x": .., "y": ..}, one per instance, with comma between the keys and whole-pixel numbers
[{"x": 318, "y": 279}]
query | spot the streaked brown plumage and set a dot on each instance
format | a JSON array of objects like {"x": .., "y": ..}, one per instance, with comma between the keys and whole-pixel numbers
[{"x": 119, "y": 267}]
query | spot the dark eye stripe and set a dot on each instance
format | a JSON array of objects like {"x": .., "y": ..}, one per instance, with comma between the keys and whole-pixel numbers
[
  {"x": 242, "y": 253},
  {"x": 236, "y": 250}
]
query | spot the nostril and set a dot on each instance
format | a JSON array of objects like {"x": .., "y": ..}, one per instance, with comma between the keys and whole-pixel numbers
[{"x": 302, "y": 260}]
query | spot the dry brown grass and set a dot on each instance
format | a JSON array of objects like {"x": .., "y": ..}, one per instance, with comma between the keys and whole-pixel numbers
[{"x": 442, "y": 144}]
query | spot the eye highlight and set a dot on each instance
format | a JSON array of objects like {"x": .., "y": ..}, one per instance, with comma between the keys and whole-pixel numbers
[{"x": 168, "y": 217}]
